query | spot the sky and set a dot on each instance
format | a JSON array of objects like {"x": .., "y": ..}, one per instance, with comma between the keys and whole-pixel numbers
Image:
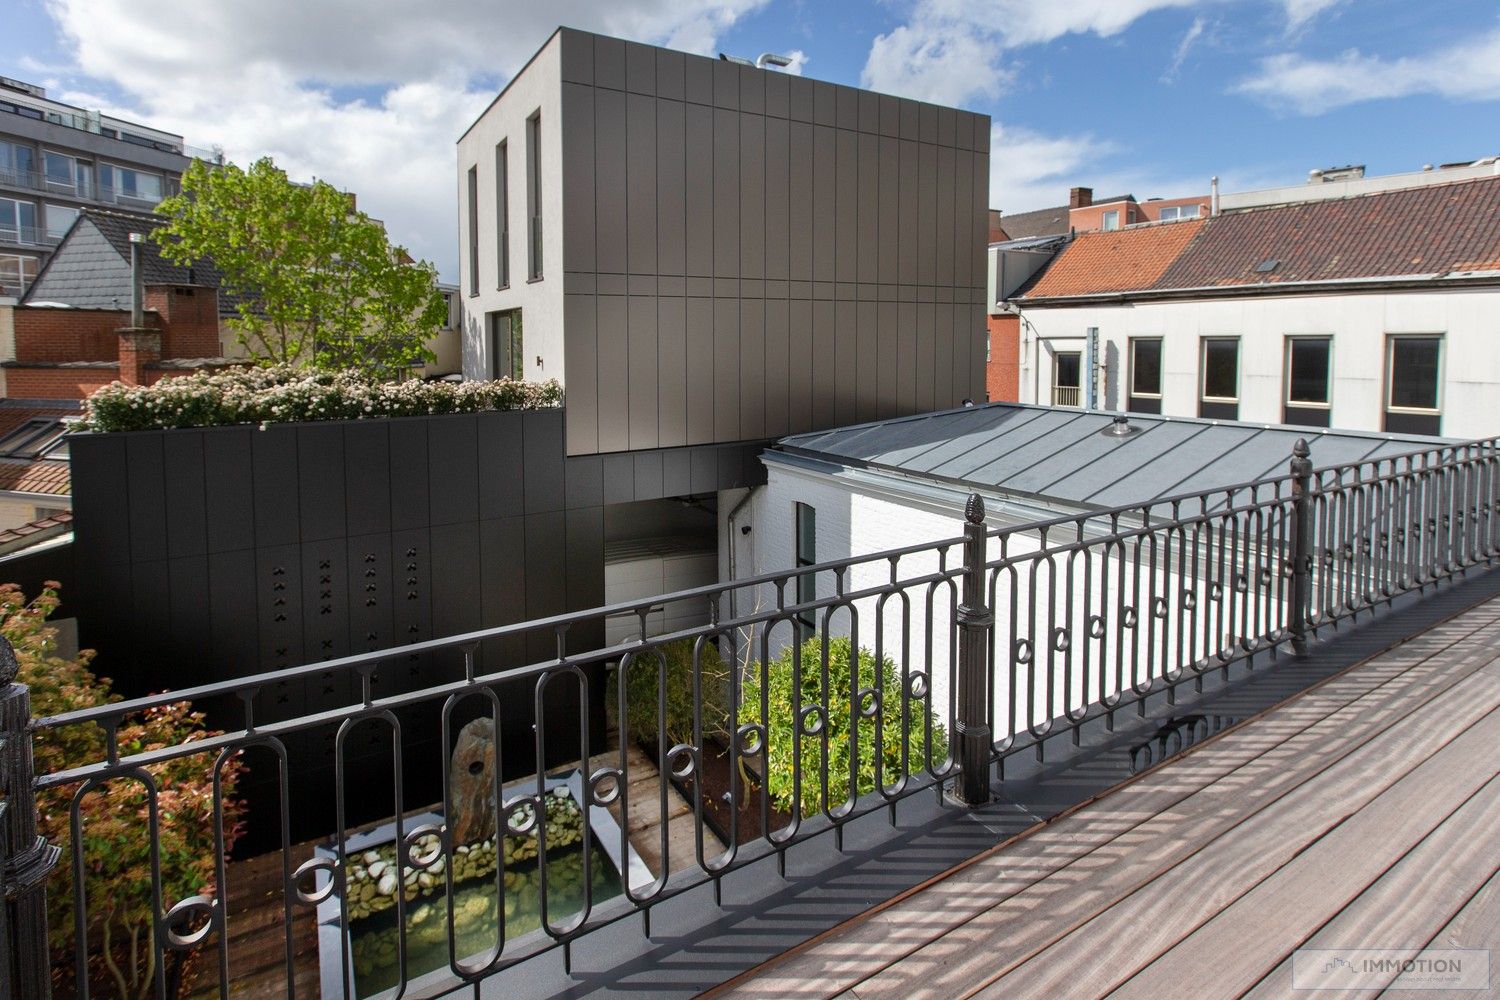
[{"x": 1149, "y": 97}]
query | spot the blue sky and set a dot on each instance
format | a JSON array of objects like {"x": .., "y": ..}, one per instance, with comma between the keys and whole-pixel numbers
[{"x": 1147, "y": 96}]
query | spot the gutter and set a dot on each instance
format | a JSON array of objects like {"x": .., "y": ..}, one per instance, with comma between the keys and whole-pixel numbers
[{"x": 1420, "y": 282}]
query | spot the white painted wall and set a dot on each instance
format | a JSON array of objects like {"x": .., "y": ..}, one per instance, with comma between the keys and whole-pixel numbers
[
  {"x": 1099, "y": 659},
  {"x": 538, "y": 86},
  {"x": 1468, "y": 319}
]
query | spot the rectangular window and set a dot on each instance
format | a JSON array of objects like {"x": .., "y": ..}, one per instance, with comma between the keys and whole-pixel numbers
[
  {"x": 1067, "y": 371},
  {"x": 1111, "y": 220},
  {"x": 1219, "y": 393},
  {"x": 1145, "y": 375},
  {"x": 1413, "y": 384},
  {"x": 807, "y": 555},
  {"x": 64, "y": 173},
  {"x": 17, "y": 272},
  {"x": 17, "y": 165},
  {"x": 502, "y": 210},
  {"x": 128, "y": 186},
  {"x": 59, "y": 220},
  {"x": 1174, "y": 212},
  {"x": 534, "y": 196},
  {"x": 507, "y": 353},
  {"x": 473, "y": 230},
  {"x": 18, "y": 221},
  {"x": 1309, "y": 372}
]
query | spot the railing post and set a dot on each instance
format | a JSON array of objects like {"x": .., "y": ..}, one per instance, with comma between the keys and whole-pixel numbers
[
  {"x": 26, "y": 859},
  {"x": 1301, "y": 546},
  {"x": 971, "y": 730}
]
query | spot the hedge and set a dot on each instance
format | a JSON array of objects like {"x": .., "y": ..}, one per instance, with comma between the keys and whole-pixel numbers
[{"x": 283, "y": 394}]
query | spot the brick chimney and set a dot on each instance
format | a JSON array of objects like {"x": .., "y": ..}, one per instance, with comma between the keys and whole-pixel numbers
[
  {"x": 1080, "y": 197},
  {"x": 140, "y": 348}
]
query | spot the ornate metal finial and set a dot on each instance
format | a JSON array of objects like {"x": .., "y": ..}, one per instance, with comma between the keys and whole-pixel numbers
[
  {"x": 9, "y": 665},
  {"x": 974, "y": 509},
  {"x": 1300, "y": 448}
]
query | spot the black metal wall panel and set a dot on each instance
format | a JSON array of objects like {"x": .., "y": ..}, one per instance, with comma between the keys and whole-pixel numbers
[
  {"x": 371, "y": 592},
  {"x": 499, "y": 441},
  {"x": 189, "y": 622},
  {"x": 146, "y": 478},
  {"x": 274, "y": 461},
  {"x": 367, "y": 486},
  {"x": 581, "y": 359},
  {"x": 502, "y": 545},
  {"x": 410, "y": 504},
  {"x": 640, "y": 68},
  {"x": 543, "y": 478},
  {"x": 868, "y": 213},
  {"x": 183, "y": 477},
  {"x": 232, "y": 612},
  {"x": 100, "y": 506},
  {"x": 453, "y": 469},
  {"x": 320, "y": 480}
]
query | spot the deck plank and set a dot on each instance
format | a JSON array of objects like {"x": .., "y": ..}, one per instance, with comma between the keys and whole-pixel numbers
[
  {"x": 1327, "y": 721},
  {"x": 1097, "y": 956},
  {"x": 1010, "y": 931},
  {"x": 1346, "y": 866},
  {"x": 1477, "y": 925}
]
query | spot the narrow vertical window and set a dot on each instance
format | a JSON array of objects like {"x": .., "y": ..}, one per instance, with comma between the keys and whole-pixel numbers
[
  {"x": 1309, "y": 370},
  {"x": 1413, "y": 385},
  {"x": 1111, "y": 221},
  {"x": 502, "y": 211},
  {"x": 807, "y": 555},
  {"x": 534, "y": 196},
  {"x": 507, "y": 353},
  {"x": 1219, "y": 396},
  {"x": 1145, "y": 375},
  {"x": 474, "y": 230}
]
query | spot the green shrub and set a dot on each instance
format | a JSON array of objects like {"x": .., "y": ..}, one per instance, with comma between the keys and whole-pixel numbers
[
  {"x": 283, "y": 394},
  {"x": 643, "y": 690},
  {"x": 783, "y": 705}
]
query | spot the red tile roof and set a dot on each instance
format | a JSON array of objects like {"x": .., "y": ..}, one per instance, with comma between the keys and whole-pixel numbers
[
  {"x": 41, "y": 476},
  {"x": 1407, "y": 234},
  {"x": 45, "y": 527},
  {"x": 1115, "y": 261}
]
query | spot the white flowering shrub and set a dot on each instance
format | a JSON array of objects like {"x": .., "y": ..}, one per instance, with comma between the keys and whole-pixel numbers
[{"x": 284, "y": 394}]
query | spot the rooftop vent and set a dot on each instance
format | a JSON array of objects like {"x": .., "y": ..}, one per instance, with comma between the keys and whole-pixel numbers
[{"x": 1120, "y": 427}]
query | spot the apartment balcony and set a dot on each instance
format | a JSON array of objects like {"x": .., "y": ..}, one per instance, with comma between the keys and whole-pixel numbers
[
  {"x": 27, "y": 236},
  {"x": 1067, "y": 395}
]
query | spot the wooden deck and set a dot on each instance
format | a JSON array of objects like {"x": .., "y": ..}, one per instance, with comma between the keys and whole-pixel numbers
[{"x": 1364, "y": 813}]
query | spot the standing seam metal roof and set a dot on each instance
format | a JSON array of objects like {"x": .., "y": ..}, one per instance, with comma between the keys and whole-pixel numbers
[{"x": 1060, "y": 454}]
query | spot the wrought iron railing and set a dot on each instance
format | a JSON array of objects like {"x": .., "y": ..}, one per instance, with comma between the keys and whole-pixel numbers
[{"x": 978, "y": 645}]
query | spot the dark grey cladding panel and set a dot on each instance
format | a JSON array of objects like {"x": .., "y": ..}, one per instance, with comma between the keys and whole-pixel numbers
[
  {"x": 146, "y": 478},
  {"x": 453, "y": 469},
  {"x": 499, "y": 451},
  {"x": 778, "y": 95},
  {"x": 640, "y": 184},
  {"x": 643, "y": 391},
  {"x": 619, "y": 478},
  {"x": 609, "y": 62},
  {"x": 578, "y": 176},
  {"x": 672, "y": 371},
  {"x": 671, "y": 188},
  {"x": 699, "y": 189},
  {"x": 101, "y": 509},
  {"x": 189, "y": 621},
  {"x": 581, "y": 360},
  {"x": 752, "y": 89},
  {"x": 640, "y": 68},
  {"x": 726, "y": 85},
  {"x": 700, "y": 363},
  {"x": 320, "y": 488},
  {"x": 410, "y": 499},
  {"x": 367, "y": 488},
  {"x": 700, "y": 80},
  {"x": 671, "y": 74},
  {"x": 577, "y": 56},
  {"x": 542, "y": 433}
]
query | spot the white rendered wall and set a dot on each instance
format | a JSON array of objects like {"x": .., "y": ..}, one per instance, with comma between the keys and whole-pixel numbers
[
  {"x": 1358, "y": 324},
  {"x": 538, "y": 86}
]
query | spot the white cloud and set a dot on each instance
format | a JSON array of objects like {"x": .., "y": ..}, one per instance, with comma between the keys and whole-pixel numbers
[
  {"x": 798, "y": 62},
  {"x": 946, "y": 63},
  {"x": 1299, "y": 12},
  {"x": 274, "y": 77},
  {"x": 1470, "y": 71},
  {"x": 1030, "y": 170},
  {"x": 1194, "y": 32}
]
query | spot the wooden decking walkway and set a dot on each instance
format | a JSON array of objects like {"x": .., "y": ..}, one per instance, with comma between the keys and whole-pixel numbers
[{"x": 1364, "y": 813}]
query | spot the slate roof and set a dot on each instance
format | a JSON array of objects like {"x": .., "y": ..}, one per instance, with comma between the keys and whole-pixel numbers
[
  {"x": 1060, "y": 455},
  {"x": 90, "y": 269},
  {"x": 1428, "y": 232}
]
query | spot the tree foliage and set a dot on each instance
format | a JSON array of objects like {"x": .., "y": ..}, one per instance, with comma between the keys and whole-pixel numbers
[
  {"x": 315, "y": 282},
  {"x": 116, "y": 840}
]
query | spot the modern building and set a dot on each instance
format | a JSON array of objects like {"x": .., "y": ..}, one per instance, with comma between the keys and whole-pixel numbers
[
  {"x": 710, "y": 255},
  {"x": 56, "y": 159},
  {"x": 1373, "y": 312}
]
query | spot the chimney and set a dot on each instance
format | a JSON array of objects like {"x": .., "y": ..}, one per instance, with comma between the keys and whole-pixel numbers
[
  {"x": 140, "y": 349},
  {"x": 1213, "y": 198},
  {"x": 1080, "y": 197}
]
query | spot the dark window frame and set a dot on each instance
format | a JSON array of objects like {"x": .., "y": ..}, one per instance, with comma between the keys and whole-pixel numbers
[
  {"x": 1412, "y": 419},
  {"x": 502, "y": 211},
  {"x": 473, "y": 187},
  {"x": 1292, "y": 342},
  {"x": 515, "y": 349},
  {"x": 1203, "y": 345},
  {"x": 1131, "y": 346},
  {"x": 534, "y": 196}
]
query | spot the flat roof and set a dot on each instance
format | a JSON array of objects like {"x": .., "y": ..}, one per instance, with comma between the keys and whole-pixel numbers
[{"x": 1062, "y": 455}]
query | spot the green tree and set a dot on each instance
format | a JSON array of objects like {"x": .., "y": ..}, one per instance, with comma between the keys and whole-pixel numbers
[
  {"x": 116, "y": 844},
  {"x": 315, "y": 281}
]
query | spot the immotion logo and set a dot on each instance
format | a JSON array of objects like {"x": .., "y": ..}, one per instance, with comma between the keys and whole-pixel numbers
[{"x": 1391, "y": 968}]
